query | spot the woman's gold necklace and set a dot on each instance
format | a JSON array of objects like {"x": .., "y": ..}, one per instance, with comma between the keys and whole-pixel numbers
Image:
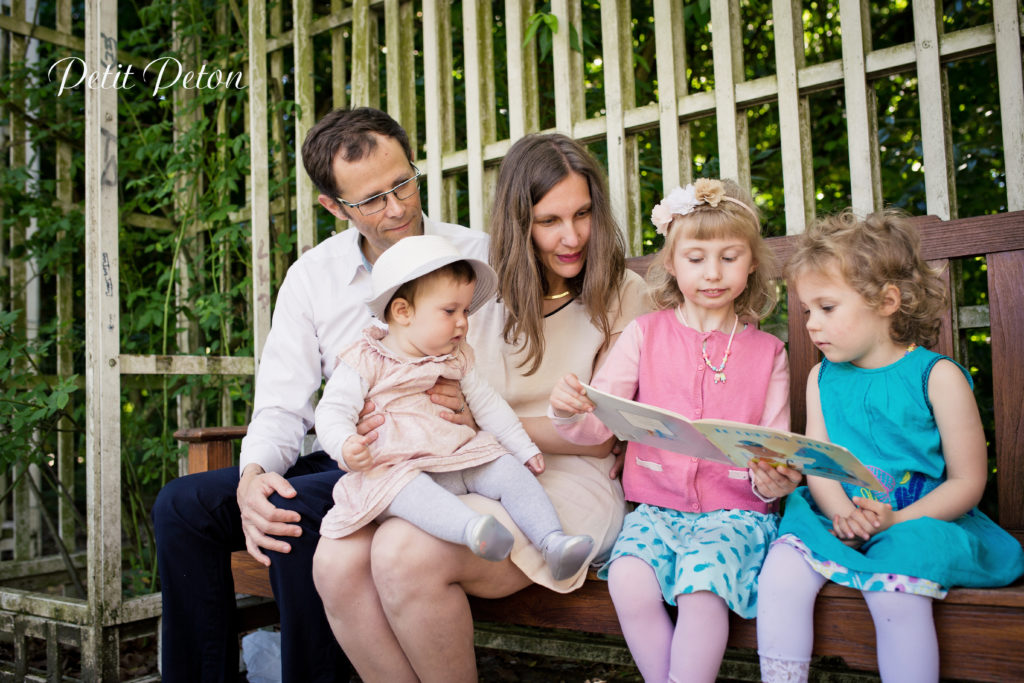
[{"x": 553, "y": 297}]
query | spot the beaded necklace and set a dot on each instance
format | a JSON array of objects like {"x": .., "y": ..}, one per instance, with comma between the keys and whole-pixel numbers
[{"x": 720, "y": 370}]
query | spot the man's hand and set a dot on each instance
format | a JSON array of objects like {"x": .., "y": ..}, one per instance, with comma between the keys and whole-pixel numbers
[
  {"x": 447, "y": 393},
  {"x": 260, "y": 518},
  {"x": 367, "y": 426}
]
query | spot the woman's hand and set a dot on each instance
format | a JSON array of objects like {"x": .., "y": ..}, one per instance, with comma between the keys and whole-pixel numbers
[
  {"x": 536, "y": 463},
  {"x": 356, "y": 454},
  {"x": 568, "y": 398},
  {"x": 619, "y": 451},
  {"x": 447, "y": 393},
  {"x": 772, "y": 481}
]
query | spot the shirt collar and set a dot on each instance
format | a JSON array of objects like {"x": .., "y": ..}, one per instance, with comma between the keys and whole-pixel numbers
[{"x": 353, "y": 257}]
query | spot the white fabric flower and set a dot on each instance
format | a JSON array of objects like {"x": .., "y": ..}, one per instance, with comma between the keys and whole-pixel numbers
[{"x": 679, "y": 201}]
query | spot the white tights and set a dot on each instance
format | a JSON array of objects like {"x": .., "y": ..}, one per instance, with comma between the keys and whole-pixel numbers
[
  {"x": 906, "y": 643},
  {"x": 689, "y": 650}
]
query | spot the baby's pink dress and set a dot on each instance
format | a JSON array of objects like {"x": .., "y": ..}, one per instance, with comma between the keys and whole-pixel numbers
[{"x": 414, "y": 437}]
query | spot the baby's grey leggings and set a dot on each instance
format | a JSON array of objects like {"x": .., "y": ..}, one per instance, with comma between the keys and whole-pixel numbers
[{"x": 430, "y": 501}]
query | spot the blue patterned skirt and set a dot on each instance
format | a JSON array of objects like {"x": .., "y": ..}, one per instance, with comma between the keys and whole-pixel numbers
[{"x": 719, "y": 551}]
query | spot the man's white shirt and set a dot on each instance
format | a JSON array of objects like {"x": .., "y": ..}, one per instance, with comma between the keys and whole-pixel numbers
[{"x": 320, "y": 310}]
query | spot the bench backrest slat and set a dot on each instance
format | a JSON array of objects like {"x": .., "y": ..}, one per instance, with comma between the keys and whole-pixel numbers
[{"x": 1006, "y": 284}]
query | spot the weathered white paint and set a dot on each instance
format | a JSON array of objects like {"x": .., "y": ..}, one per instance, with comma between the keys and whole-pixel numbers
[
  {"x": 617, "y": 57},
  {"x": 1011, "y": 97},
  {"x": 569, "y": 101},
  {"x": 102, "y": 341},
  {"x": 730, "y": 122},
  {"x": 933, "y": 98},
  {"x": 306, "y": 205},
  {"x": 794, "y": 117},
  {"x": 860, "y": 100},
  {"x": 670, "y": 39}
]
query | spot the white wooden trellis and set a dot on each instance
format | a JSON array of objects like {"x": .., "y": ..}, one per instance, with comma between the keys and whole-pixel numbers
[{"x": 93, "y": 624}]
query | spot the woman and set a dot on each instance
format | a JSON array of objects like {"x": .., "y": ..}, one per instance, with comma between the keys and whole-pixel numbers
[{"x": 395, "y": 596}]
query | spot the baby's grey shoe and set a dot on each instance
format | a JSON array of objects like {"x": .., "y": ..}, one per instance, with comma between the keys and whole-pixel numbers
[
  {"x": 487, "y": 538},
  {"x": 566, "y": 554}
]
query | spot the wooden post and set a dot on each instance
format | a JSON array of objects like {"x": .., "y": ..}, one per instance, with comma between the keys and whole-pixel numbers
[
  {"x": 523, "y": 100},
  {"x": 570, "y": 105},
  {"x": 861, "y": 108},
  {"x": 260, "y": 196},
  {"x": 933, "y": 100},
  {"x": 305, "y": 196},
  {"x": 439, "y": 106},
  {"x": 670, "y": 36},
  {"x": 794, "y": 118},
  {"x": 1011, "y": 98},
  {"x": 731, "y": 124},
  {"x": 102, "y": 372},
  {"x": 479, "y": 66},
  {"x": 619, "y": 94}
]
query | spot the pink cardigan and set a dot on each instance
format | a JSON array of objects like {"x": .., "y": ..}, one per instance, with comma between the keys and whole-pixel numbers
[{"x": 657, "y": 360}]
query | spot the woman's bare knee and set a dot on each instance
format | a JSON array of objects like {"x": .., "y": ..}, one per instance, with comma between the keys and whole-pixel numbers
[{"x": 340, "y": 566}]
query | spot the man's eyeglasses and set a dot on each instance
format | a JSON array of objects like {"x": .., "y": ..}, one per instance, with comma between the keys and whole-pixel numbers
[{"x": 379, "y": 202}]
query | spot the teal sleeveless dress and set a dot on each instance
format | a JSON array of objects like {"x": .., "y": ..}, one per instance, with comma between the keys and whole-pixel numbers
[{"x": 883, "y": 415}]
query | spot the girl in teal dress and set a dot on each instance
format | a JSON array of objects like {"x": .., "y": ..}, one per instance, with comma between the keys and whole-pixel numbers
[{"x": 871, "y": 303}]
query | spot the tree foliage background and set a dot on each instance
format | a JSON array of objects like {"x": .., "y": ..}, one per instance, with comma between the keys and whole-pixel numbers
[{"x": 195, "y": 183}]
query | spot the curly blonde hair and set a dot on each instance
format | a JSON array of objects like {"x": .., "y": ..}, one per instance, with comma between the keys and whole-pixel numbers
[
  {"x": 726, "y": 220},
  {"x": 882, "y": 249}
]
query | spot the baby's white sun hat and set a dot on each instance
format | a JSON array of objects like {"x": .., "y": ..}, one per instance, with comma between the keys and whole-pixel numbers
[{"x": 414, "y": 257}]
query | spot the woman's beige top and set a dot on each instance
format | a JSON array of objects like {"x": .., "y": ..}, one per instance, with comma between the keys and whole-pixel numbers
[{"x": 586, "y": 499}]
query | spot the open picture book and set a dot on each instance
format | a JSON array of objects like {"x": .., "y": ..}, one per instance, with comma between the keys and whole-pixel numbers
[{"x": 730, "y": 443}]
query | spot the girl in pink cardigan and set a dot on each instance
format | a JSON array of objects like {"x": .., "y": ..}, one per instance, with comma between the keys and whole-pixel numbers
[{"x": 700, "y": 529}]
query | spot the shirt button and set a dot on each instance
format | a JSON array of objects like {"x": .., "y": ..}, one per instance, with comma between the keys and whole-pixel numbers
[{"x": 696, "y": 507}]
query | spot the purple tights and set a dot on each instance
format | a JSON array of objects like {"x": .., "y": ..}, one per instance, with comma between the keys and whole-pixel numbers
[
  {"x": 905, "y": 637},
  {"x": 689, "y": 650}
]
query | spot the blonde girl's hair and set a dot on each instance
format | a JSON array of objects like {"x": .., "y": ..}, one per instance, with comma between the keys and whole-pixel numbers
[
  {"x": 881, "y": 249},
  {"x": 736, "y": 219},
  {"x": 534, "y": 165}
]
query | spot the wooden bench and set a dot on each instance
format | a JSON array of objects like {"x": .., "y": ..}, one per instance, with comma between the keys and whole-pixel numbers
[{"x": 981, "y": 631}]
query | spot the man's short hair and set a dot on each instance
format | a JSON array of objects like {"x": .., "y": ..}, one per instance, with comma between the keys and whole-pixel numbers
[{"x": 354, "y": 133}]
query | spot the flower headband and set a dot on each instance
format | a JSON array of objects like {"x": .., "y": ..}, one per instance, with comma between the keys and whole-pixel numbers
[{"x": 683, "y": 200}]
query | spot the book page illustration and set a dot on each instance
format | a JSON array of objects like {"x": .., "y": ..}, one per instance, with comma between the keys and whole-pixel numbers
[{"x": 725, "y": 442}]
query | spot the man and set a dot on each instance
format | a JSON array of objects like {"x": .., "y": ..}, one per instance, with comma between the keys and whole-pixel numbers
[{"x": 361, "y": 162}]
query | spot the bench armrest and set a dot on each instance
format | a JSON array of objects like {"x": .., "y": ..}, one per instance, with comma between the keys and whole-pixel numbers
[{"x": 209, "y": 448}]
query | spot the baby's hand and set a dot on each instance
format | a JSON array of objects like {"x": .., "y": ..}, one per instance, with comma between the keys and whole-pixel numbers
[
  {"x": 356, "y": 454},
  {"x": 568, "y": 397},
  {"x": 536, "y": 463},
  {"x": 774, "y": 482}
]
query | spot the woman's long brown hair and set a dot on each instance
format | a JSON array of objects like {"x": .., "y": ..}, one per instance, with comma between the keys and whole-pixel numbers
[{"x": 534, "y": 165}]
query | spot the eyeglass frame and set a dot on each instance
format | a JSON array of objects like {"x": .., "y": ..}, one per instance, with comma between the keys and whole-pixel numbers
[{"x": 393, "y": 190}]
